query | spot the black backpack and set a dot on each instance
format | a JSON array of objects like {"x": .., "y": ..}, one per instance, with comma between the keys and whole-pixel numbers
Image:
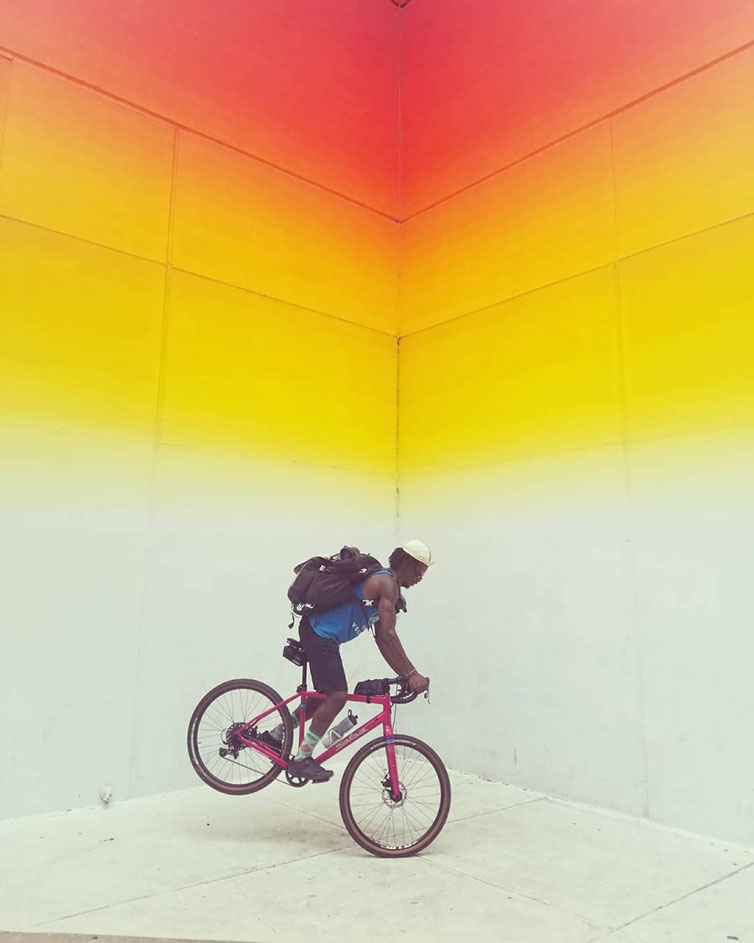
[{"x": 326, "y": 582}]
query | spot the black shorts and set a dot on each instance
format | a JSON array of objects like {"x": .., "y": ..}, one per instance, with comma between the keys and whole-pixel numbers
[{"x": 324, "y": 659}]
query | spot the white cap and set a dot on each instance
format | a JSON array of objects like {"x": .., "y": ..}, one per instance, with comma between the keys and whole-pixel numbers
[{"x": 419, "y": 551}]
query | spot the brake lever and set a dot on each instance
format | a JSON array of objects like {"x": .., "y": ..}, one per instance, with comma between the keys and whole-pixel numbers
[{"x": 426, "y": 693}]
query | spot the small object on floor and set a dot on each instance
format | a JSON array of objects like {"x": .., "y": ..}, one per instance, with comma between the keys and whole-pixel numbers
[{"x": 309, "y": 769}]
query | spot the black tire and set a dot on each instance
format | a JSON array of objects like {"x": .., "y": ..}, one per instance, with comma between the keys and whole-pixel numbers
[
  {"x": 229, "y": 703},
  {"x": 422, "y": 774}
]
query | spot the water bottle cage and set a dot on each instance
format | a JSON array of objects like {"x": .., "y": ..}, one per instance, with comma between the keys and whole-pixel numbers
[{"x": 340, "y": 730}]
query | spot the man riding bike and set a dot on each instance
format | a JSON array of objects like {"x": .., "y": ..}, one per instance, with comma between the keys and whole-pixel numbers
[{"x": 322, "y": 633}]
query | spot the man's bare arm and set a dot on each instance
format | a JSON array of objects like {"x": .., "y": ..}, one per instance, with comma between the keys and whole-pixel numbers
[{"x": 386, "y": 637}]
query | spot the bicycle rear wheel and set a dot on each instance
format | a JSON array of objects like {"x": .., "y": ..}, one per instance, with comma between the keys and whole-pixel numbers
[
  {"x": 378, "y": 823},
  {"x": 217, "y": 754}
]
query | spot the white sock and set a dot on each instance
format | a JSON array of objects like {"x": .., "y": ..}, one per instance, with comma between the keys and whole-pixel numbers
[
  {"x": 308, "y": 744},
  {"x": 279, "y": 731}
]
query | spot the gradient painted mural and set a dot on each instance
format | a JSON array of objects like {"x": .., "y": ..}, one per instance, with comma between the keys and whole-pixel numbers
[
  {"x": 577, "y": 391},
  {"x": 197, "y": 355},
  {"x": 272, "y": 272},
  {"x": 308, "y": 87},
  {"x": 485, "y": 84}
]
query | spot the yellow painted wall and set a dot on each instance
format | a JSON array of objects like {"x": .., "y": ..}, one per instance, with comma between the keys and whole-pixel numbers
[
  {"x": 109, "y": 217},
  {"x": 255, "y": 376},
  {"x": 522, "y": 378},
  {"x": 198, "y": 363},
  {"x": 197, "y": 390},
  {"x": 577, "y": 445},
  {"x": 656, "y": 204}
]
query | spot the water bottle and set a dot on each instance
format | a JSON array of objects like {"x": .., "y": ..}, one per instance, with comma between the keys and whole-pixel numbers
[{"x": 339, "y": 730}]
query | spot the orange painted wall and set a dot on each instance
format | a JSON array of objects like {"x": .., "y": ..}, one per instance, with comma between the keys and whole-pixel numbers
[
  {"x": 118, "y": 225},
  {"x": 623, "y": 248},
  {"x": 577, "y": 394},
  {"x": 484, "y": 83},
  {"x": 198, "y": 235},
  {"x": 198, "y": 314},
  {"x": 307, "y": 87}
]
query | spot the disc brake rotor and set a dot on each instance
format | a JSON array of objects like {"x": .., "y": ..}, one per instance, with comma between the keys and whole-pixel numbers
[{"x": 387, "y": 796}]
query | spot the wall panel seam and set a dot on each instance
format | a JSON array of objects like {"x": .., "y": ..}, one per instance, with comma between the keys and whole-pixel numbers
[
  {"x": 83, "y": 239},
  {"x": 633, "y": 587},
  {"x": 400, "y": 115},
  {"x": 397, "y": 437},
  {"x": 739, "y": 50},
  {"x": 4, "y": 107},
  {"x": 219, "y": 281},
  {"x": 504, "y": 300},
  {"x": 285, "y": 301},
  {"x": 185, "y": 127},
  {"x": 620, "y": 258},
  {"x": 151, "y": 497}
]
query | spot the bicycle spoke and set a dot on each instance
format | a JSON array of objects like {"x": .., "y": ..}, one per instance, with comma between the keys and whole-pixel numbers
[
  {"x": 214, "y": 729},
  {"x": 396, "y": 825}
]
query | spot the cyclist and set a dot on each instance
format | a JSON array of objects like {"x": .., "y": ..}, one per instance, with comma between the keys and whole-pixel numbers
[{"x": 323, "y": 633}]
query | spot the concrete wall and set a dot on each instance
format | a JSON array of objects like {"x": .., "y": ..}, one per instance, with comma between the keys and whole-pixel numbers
[
  {"x": 187, "y": 339},
  {"x": 199, "y": 260},
  {"x": 576, "y": 403}
]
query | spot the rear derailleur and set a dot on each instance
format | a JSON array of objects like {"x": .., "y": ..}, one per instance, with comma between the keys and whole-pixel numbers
[{"x": 233, "y": 744}]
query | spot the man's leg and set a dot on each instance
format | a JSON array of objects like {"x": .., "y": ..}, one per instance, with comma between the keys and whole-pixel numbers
[
  {"x": 305, "y": 634},
  {"x": 327, "y": 711},
  {"x": 329, "y": 678}
]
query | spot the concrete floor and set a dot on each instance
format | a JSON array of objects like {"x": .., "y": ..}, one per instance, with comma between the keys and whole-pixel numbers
[{"x": 511, "y": 866}]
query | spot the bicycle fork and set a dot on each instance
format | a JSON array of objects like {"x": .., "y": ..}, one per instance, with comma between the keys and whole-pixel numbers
[{"x": 391, "y": 781}]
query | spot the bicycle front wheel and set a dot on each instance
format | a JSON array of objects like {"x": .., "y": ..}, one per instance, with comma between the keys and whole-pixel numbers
[
  {"x": 216, "y": 752},
  {"x": 374, "y": 819}
]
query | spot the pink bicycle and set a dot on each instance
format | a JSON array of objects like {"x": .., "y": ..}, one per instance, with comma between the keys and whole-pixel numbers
[{"x": 395, "y": 791}]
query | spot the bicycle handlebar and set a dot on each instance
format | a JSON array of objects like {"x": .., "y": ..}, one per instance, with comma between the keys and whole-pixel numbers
[
  {"x": 380, "y": 687},
  {"x": 405, "y": 695}
]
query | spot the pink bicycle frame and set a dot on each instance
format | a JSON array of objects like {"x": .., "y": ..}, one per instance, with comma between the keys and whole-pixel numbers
[{"x": 383, "y": 717}]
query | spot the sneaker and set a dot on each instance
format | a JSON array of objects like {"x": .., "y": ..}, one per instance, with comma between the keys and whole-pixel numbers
[
  {"x": 269, "y": 741},
  {"x": 309, "y": 768}
]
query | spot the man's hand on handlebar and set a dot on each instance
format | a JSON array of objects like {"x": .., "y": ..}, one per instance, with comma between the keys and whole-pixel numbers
[{"x": 417, "y": 682}]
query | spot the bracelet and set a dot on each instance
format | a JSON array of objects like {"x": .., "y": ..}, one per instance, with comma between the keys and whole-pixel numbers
[{"x": 412, "y": 672}]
